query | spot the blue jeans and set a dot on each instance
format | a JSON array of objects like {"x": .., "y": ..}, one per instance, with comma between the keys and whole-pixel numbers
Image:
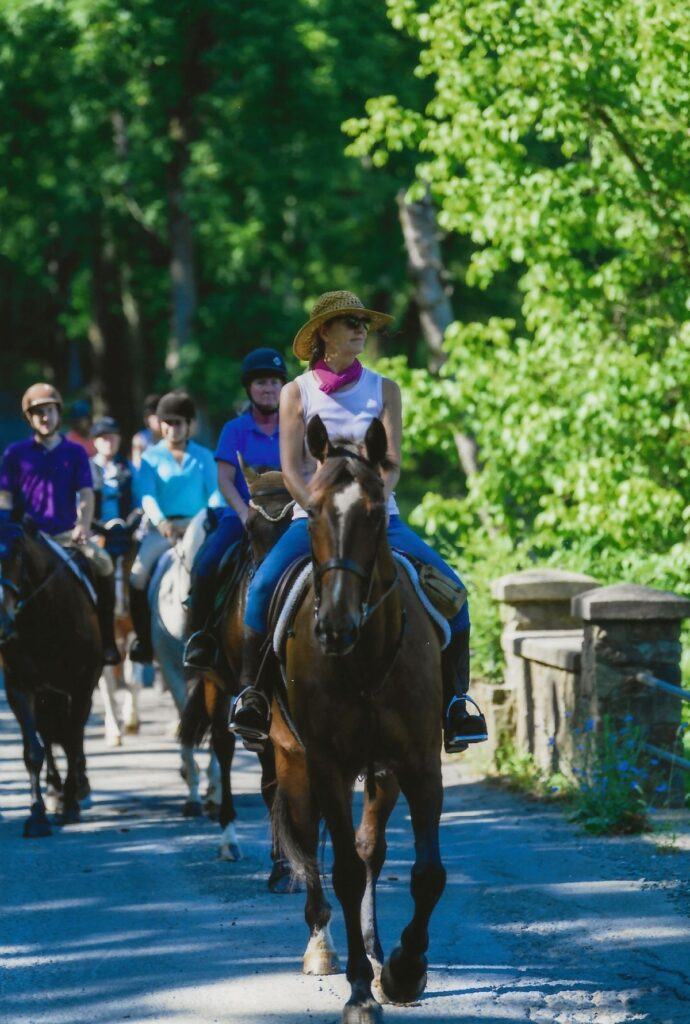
[
  {"x": 295, "y": 543},
  {"x": 227, "y": 532}
]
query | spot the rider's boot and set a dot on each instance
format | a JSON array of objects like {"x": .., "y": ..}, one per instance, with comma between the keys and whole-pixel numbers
[
  {"x": 201, "y": 650},
  {"x": 141, "y": 650},
  {"x": 105, "y": 593},
  {"x": 250, "y": 717},
  {"x": 459, "y": 727}
]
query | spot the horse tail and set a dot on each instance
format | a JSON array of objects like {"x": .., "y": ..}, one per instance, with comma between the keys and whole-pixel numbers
[
  {"x": 286, "y": 840},
  {"x": 195, "y": 721}
]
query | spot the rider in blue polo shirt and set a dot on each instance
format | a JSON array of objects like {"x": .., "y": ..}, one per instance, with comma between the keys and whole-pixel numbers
[{"x": 254, "y": 436}]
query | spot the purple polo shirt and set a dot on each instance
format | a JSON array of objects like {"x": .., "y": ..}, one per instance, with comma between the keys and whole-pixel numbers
[
  {"x": 256, "y": 448},
  {"x": 44, "y": 484}
]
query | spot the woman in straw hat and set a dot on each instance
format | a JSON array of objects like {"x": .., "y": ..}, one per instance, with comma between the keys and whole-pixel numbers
[{"x": 346, "y": 396}]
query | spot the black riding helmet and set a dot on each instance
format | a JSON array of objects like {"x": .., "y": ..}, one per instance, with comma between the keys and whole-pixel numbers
[
  {"x": 263, "y": 362},
  {"x": 176, "y": 403}
]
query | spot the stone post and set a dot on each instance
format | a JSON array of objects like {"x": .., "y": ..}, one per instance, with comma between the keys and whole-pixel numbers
[
  {"x": 535, "y": 605},
  {"x": 631, "y": 629}
]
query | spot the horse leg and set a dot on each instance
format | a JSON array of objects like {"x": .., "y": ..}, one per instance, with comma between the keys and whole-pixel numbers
[
  {"x": 190, "y": 773},
  {"x": 224, "y": 748},
  {"x": 371, "y": 846},
  {"x": 213, "y": 786},
  {"x": 281, "y": 879},
  {"x": 53, "y": 796},
  {"x": 107, "y": 687},
  {"x": 132, "y": 675},
  {"x": 403, "y": 978},
  {"x": 296, "y": 829},
  {"x": 37, "y": 824},
  {"x": 77, "y": 791},
  {"x": 349, "y": 881}
]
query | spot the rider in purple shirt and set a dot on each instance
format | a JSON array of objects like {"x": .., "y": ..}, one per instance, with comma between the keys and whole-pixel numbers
[
  {"x": 254, "y": 436},
  {"x": 49, "y": 479}
]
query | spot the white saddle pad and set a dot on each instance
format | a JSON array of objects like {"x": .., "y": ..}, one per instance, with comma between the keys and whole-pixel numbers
[{"x": 302, "y": 582}]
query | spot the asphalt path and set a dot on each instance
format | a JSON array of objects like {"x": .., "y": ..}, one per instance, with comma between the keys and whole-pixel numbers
[{"x": 131, "y": 916}]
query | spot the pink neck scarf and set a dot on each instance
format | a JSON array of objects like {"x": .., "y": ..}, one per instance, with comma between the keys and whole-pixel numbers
[{"x": 330, "y": 381}]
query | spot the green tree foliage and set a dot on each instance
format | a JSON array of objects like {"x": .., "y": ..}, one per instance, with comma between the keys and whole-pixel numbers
[
  {"x": 557, "y": 141},
  {"x": 173, "y": 181}
]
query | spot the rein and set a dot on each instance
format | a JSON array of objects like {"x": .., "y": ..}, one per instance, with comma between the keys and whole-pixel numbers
[{"x": 16, "y": 590}]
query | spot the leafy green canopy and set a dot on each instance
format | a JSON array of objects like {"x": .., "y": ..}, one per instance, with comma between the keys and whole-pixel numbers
[
  {"x": 112, "y": 109},
  {"x": 557, "y": 140}
]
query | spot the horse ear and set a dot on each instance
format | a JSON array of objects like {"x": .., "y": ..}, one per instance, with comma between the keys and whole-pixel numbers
[
  {"x": 250, "y": 475},
  {"x": 376, "y": 442},
  {"x": 317, "y": 439}
]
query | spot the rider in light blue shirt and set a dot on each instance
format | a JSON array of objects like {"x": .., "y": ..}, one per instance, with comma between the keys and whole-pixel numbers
[
  {"x": 177, "y": 479},
  {"x": 172, "y": 489}
]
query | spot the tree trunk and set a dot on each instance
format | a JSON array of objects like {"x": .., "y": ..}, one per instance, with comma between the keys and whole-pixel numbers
[
  {"x": 431, "y": 293},
  {"x": 183, "y": 297},
  {"x": 420, "y": 232},
  {"x": 183, "y": 128}
]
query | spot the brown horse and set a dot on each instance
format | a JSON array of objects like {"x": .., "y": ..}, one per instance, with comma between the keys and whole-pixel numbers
[
  {"x": 52, "y": 656},
  {"x": 363, "y": 671},
  {"x": 208, "y": 706}
]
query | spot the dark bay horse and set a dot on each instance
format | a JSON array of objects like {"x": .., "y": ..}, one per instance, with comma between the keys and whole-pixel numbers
[
  {"x": 52, "y": 657},
  {"x": 208, "y": 707},
  {"x": 363, "y": 671}
]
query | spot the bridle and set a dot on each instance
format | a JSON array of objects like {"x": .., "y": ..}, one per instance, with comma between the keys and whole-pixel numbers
[
  {"x": 367, "y": 609},
  {"x": 267, "y": 515},
  {"x": 15, "y": 588}
]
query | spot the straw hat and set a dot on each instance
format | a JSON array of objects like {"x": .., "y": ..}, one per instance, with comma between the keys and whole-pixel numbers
[{"x": 328, "y": 306}]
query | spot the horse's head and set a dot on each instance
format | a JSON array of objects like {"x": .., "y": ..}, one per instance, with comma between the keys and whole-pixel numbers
[
  {"x": 270, "y": 508},
  {"x": 11, "y": 559},
  {"x": 347, "y": 523}
]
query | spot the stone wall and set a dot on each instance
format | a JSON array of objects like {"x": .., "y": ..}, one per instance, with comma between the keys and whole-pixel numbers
[{"x": 573, "y": 651}]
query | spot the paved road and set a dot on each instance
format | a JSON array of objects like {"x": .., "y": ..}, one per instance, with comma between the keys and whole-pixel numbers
[{"x": 130, "y": 916}]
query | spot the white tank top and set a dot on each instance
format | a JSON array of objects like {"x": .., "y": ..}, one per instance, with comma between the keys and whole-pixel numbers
[{"x": 345, "y": 414}]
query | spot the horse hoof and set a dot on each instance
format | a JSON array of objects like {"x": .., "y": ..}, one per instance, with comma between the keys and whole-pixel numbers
[
  {"x": 403, "y": 982},
  {"x": 192, "y": 809},
  {"x": 282, "y": 881},
  {"x": 68, "y": 816},
  {"x": 212, "y": 810},
  {"x": 368, "y": 1012},
  {"x": 115, "y": 740},
  {"x": 37, "y": 827},
  {"x": 132, "y": 728},
  {"x": 320, "y": 963},
  {"x": 230, "y": 851}
]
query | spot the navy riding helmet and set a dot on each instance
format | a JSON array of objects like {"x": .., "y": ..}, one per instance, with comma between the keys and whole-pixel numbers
[{"x": 263, "y": 362}]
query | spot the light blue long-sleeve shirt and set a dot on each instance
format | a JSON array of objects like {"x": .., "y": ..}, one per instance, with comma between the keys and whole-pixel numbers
[{"x": 168, "y": 488}]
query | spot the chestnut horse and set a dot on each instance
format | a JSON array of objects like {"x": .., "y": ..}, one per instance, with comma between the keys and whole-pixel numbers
[
  {"x": 52, "y": 657},
  {"x": 208, "y": 706},
  {"x": 363, "y": 671}
]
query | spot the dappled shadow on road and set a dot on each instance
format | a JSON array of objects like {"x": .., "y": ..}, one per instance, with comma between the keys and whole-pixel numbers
[{"x": 131, "y": 917}]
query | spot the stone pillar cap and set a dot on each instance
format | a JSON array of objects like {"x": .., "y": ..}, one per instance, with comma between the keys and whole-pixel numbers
[
  {"x": 629, "y": 602},
  {"x": 540, "y": 585}
]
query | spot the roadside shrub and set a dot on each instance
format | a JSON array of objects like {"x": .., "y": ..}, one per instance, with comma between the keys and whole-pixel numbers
[{"x": 608, "y": 796}]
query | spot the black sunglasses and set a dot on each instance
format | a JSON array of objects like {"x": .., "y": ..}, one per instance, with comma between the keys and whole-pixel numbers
[{"x": 353, "y": 322}]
